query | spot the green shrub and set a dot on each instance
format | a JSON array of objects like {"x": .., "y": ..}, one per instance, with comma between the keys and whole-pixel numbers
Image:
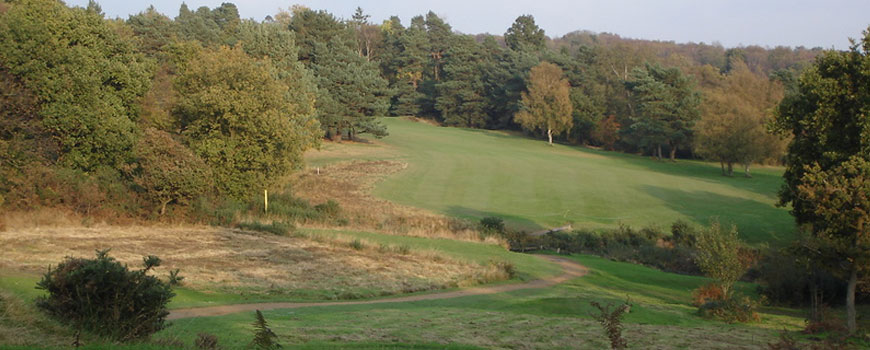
[
  {"x": 491, "y": 225},
  {"x": 105, "y": 298},
  {"x": 683, "y": 234},
  {"x": 732, "y": 309}
]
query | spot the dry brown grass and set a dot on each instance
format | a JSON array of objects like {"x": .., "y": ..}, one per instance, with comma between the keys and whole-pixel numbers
[
  {"x": 221, "y": 259},
  {"x": 350, "y": 184}
]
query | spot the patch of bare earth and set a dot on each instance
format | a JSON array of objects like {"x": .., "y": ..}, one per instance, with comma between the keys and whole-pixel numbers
[
  {"x": 221, "y": 259},
  {"x": 350, "y": 184}
]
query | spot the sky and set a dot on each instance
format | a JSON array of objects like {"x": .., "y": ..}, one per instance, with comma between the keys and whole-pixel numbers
[{"x": 818, "y": 23}]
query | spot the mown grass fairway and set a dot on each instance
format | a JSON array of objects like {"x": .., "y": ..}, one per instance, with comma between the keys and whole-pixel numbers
[{"x": 475, "y": 173}]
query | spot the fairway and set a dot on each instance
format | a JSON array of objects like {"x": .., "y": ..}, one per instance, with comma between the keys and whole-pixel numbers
[{"x": 476, "y": 173}]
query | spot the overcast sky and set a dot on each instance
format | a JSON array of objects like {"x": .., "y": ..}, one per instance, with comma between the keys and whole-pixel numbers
[{"x": 822, "y": 23}]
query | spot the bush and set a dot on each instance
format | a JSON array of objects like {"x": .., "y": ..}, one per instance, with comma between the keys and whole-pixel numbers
[
  {"x": 731, "y": 310},
  {"x": 492, "y": 225},
  {"x": 719, "y": 255},
  {"x": 683, "y": 234},
  {"x": 105, "y": 298},
  {"x": 707, "y": 293}
]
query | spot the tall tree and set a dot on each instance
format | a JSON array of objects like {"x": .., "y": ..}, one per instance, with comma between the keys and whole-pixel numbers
[
  {"x": 403, "y": 63},
  {"x": 367, "y": 35},
  {"x": 667, "y": 108},
  {"x": 525, "y": 35},
  {"x": 237, "y": 116},
  {"x": 547, "y": 104},
  {"x": 87, "y": 79},
  {"x": 352, "y": 92},
  {"x": 840, "y": 198},
  {"x": 733, "y": 127},
  {"x": 153, "y": 30},
  {"x": 460, "y": 94},
  {"x": 827, "y": 118}
]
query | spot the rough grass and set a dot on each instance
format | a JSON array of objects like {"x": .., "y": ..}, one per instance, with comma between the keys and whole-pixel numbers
[
  {"x": 551, "y": 318},
  {"x": 22, "y": 325},
  {"x": 243, "y": 263},
  {"x": 475, "y": 173}
]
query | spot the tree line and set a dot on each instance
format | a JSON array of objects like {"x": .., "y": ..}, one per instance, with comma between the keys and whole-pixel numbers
[{"x": 170, "y": 108}]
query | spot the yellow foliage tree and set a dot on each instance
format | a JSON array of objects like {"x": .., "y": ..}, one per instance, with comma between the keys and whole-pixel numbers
[{"x": 547, "y": 103}]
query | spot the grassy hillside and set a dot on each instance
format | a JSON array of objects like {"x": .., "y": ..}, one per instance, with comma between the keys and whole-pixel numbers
[{"x": 476, "y": 173}]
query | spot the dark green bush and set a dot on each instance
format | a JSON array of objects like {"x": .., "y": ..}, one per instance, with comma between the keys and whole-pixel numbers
[
  {"x": 683, "y": 234},
  {"x": 491, "y": 225},
  {"x": 105, "y": 298}
]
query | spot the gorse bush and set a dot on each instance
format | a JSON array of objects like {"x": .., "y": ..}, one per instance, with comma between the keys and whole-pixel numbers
[{"x": 105, "y": 298}]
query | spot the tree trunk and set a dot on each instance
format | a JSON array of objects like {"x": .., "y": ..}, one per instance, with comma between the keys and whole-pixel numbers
[
  {"x": 850, "y": 300},
  {"x": 673, "y": 153},
  {"x": 550, "y": 136},
  {"x": 163, "y": 207},
  {"x": 746, "y": 170},
  {"x": 659, "y": 152},
  {"x": 730, "y": 169},
  {"x": 722, "y": 165}
]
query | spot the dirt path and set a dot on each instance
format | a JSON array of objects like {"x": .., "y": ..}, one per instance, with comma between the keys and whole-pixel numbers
[{"x": 570, "y": 270}]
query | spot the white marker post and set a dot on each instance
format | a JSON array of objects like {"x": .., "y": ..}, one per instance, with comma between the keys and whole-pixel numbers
[{"x": 265, "y": 201}]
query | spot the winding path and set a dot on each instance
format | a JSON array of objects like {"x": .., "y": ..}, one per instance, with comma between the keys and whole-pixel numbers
[{"x": 570, "y": 270}]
